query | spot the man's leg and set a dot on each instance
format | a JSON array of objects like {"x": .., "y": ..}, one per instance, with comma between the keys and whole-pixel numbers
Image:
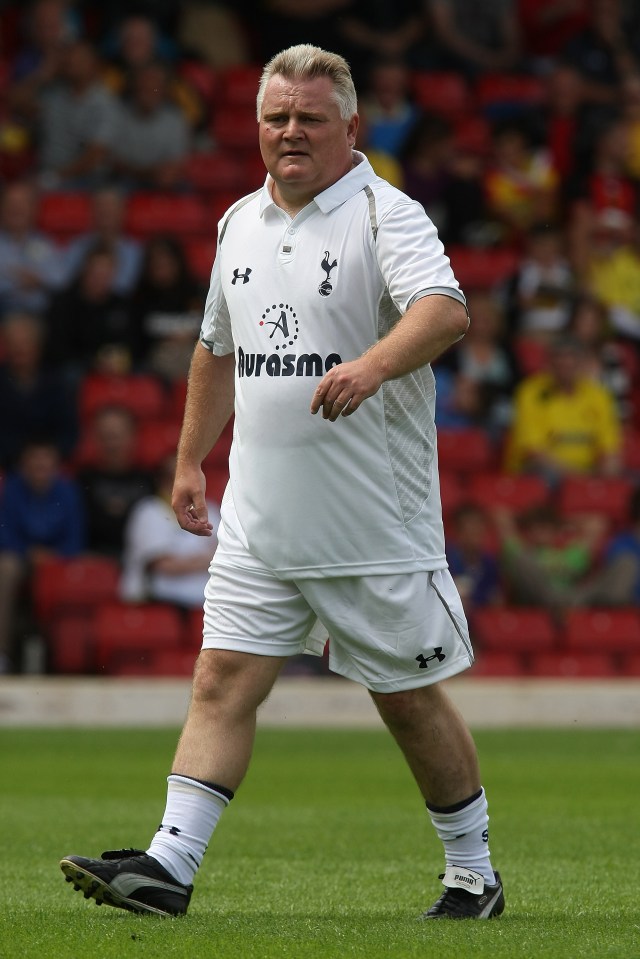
[
  {"x": 442, "y": 757},
  {"x": 217, "y": 738},
  {"x": 435, "y": 742},
  {"x": 211, "y": 760},
  {"x": 213, "y": 754}
]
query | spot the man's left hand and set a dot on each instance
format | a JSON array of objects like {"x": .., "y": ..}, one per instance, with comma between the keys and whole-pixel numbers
[{"x": 342, "y": 390}]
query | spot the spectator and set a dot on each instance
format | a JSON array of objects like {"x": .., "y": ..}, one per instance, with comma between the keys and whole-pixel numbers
[
  {"x": 426, "y": 163},
  {"x": 77, "y": 123},
  {"x": 30, "y": 264},
  {"x": 544, "y": 284},
  {"x": 602, "y": 185},
  {"x": 472, "y": 564},
  {"x": 458, "y": 399},
  {"x": 564, "y": 119},
  {"x": 111, "y": 482},
  {"x": 33, "y": 399},
  {"x": 107, "y": 231},
  {"x": 607, "y": 359},
  {"x": 520, "y": 184},
  {"x": 613, "y": 271},
  {"x": 384, "y": 30},
  {"x": 604, "y": 52},
  {"x": 483, "y": 358},
  {"x": 50, "y": 27},
  {"x": 476, "y": 37},
  {"x": 547, "y": 26},
  {"x": 88, "y": 322},
  {"x": 564, "y": 423},
  {"x": 387, "y": 104},
  {"x": 166, "y": 309},
  {"x": 467, "y": 219},
  {"x": 217, "y": 34},
  {"x": 138, "y": 45},
  {"x": 631, "y": 120},
  {"x": 617, "y": 582},
  {"x": 384, "y": 165},
  {"x": 161, "y": 561},
  {"x": 282, "y": 23},
  {"x": 544, "y": 558},
  {"x": 40, "y": 516},
  {"x": 152, "y": 136}
]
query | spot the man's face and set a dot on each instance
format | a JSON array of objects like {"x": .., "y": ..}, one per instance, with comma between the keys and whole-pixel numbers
[{"x": 305, "y": 144}]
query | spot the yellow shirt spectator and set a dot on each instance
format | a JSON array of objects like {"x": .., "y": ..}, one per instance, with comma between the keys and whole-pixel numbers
[{"x": 577, "y": 429}]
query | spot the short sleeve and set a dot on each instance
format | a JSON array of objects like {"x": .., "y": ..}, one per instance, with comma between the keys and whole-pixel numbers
[
  {"x": 215, "y": 333},
  {"x": 411, "y": 256}
]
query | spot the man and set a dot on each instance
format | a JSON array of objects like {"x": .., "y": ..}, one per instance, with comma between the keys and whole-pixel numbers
[
  {"x": 30, "y": 263},
  {"x": 330, "y": 294},
  {"x": 564, "y": 422}
]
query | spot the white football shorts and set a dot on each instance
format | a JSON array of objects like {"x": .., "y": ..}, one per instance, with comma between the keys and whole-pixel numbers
[{"x": 389, "y": 632}]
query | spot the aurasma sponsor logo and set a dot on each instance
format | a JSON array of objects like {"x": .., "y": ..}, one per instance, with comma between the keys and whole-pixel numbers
[{"x": 286, "y": 364}]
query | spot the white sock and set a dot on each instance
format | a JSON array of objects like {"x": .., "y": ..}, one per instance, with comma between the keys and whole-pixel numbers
[
  {"x": 190, "y": 817},
  {"x": 463, "y": 829}
]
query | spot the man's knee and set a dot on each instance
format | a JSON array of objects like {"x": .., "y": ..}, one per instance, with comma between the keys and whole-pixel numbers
[{"x": 232, "y": 679}]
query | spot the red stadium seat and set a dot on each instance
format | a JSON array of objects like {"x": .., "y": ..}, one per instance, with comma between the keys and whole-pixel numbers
[
  {"x": 606, "y": 496},
  {"x": 217, "y": 206},
  {"x": 464, "y": 451},
  {"x": 155, "y": 442},
  {"x": 143, "y": 395},
  {"x": 510, "y": 492},
  {"x": 235, "y": 128},
  {"x": 453, "y": 492},
  {"x": 212, "y": 172},
  {"x": 149, "y": 213},
  {"x": 531, "y": 355},
  {"x": 513, "y": 630},
  {"x": 572, "y": 665},
  {"x": 127, "y": 634},
  {"x": 172, "y": 662},
  {"x": 499, "y": 90},
  {"x": 603, "y": 630},
  {"x": 70, "y": 586},
  {"x": 498, "y": 664},
  {"x": 202, "y": 77},
  {"x": 482, "y": 269},
  {"x": 216, "y": 477},
  {"x": 71, "y": 645},
  {"x": 472, "y": 134},
  {"x": 239, "y": 85},
  {"x": 201, "y": 253},
  {"x": 442, "y": 92},
  {"x": 65, "y": 214},
  {"x": 193, "y": 634},
  {"x": 631, "y": 450},
  {"x": 630, "y": 664}
]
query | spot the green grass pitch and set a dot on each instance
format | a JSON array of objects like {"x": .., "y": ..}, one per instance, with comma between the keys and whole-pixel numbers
[{"x": 327, "y": 850}]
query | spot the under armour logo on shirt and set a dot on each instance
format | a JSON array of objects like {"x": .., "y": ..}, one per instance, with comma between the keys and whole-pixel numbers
[{"x": 237, "y": 275}]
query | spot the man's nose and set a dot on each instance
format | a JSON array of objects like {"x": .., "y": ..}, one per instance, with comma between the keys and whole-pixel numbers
[{"x": 293, "y": 129}]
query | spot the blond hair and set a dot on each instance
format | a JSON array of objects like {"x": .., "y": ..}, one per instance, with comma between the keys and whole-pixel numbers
[{"x": 306, "y": 62}]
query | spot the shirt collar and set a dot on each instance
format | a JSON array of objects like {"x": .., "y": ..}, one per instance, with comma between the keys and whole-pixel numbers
[{"x": 360, "y": 174}]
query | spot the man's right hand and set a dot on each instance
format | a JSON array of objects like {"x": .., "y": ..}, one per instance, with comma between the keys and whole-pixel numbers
[{"x": 188, "y": 502}]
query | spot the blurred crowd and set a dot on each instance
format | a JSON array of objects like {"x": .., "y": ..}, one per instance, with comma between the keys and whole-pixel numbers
[{"x": 127, "y": 129}]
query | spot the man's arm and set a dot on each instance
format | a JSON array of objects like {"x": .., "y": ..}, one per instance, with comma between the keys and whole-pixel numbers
[
  {"x": 430, "y": 326},
  {"x": 207, "y": 410}
]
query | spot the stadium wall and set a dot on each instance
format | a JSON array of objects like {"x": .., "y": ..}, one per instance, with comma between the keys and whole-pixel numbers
[{"x": 486, "y": 703}]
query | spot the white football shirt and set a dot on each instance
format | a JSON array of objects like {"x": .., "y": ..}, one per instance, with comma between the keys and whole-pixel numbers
[{"x": 293, "y": 298}]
